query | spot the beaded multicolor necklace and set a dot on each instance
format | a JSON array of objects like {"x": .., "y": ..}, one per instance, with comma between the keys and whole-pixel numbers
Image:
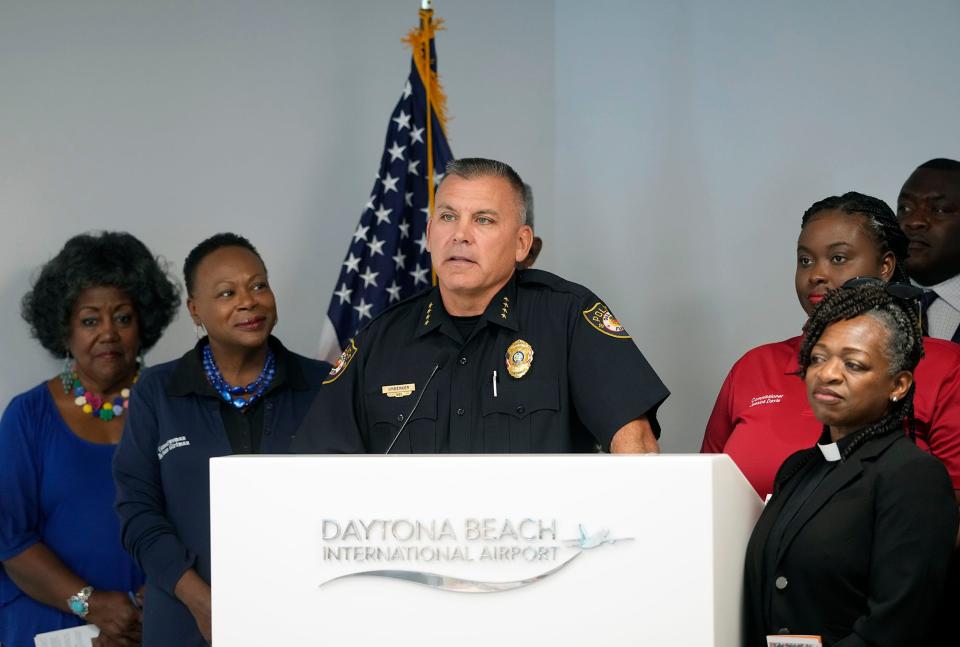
[
  {"x": 92, "y": 403},
  {"x": 234, "y": 394}
]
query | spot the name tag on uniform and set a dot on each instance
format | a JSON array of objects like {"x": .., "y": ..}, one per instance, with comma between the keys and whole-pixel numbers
[
  {"x": 398, "y": 390},
  {"x": 794, "y": 641}
]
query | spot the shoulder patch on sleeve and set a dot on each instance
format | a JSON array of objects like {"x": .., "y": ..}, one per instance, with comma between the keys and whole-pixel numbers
[
  {"x": 342, "y": 362},
  {"x": 600, "y": 317}
]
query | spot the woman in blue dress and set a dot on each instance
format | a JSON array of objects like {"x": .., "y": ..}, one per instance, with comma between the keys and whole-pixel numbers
[{"x": 99, "y": 304}]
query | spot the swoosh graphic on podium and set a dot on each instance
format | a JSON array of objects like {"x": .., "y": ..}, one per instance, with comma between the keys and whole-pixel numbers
[{"x": 456, "y": 584}]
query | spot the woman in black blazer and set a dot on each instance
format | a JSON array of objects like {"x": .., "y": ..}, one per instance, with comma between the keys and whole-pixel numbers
[{"x": 855, "y": 542}]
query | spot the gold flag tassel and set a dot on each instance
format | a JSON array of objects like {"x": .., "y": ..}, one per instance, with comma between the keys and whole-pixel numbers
[{"x": 419, "y": 40}]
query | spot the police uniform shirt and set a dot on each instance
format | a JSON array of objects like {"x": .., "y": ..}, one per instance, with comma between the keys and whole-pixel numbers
[{"x": 546, "y": 368}]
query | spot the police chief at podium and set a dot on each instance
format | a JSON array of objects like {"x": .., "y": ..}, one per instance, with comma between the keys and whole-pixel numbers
[{"x": 493, "y": 358}]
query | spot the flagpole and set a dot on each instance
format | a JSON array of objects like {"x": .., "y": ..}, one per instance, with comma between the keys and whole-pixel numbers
[{"x": 426, "y": 17}]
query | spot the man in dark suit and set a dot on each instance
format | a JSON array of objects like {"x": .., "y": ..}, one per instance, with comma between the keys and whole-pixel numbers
[{"x": 929, "y": 212}]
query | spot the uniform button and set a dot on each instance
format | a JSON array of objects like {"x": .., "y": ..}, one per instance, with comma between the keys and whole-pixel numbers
[
  {"x": 781, "y": 583},
  {"x": 460, "y": 412},
  {"x": 400, "y": 418},
  {"x": 463, "y": 360},
  {"x": 520, "y": 409}
]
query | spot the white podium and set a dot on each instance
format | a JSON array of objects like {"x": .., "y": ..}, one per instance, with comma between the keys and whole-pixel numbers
[{"x": 580, "y": 550}]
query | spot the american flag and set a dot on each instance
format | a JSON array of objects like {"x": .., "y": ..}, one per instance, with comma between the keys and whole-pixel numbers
[{"x": 387, "y": 259}]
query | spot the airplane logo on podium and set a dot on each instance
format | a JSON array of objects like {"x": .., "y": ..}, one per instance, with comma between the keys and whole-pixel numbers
[{"x": 586, "y": 542}]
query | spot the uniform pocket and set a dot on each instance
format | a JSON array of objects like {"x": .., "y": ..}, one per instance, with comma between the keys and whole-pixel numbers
[
  {"x": 385, "y": 416},
  {"x": 509, "y": 418}
]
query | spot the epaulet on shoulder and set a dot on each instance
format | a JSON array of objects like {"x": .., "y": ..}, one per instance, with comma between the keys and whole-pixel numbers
[
  {"x": 396, "y": 306},
  {"x": 551, "y": 281}
]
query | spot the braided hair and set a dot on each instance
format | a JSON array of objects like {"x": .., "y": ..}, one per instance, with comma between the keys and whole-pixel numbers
[
  {"x": 904, "y": 344},
  {"x": 904, "y": 351},
  {"x": 881, "y": 224}
]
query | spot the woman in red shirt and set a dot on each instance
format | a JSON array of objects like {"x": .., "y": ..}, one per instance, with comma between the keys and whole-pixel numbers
[{"x": 762, "y": 415}]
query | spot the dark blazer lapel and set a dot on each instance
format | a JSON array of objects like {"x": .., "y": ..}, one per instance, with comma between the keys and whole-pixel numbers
[
  {"x": 772, "y": 511},
  {"x": 846, "y": 472}
]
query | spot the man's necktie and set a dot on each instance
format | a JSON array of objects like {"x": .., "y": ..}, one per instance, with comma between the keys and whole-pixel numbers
[{"x": 926, "y": 299}]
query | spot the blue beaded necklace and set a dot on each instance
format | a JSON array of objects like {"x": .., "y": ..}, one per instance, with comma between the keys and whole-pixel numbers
[{"x": 234, "y": 394}]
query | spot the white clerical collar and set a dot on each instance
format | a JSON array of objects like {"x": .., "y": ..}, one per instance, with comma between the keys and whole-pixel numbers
[{"x": 831, "y": 453}]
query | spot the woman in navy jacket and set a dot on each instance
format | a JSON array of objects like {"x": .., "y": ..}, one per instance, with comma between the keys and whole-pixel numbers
[
  {"x": 855, "y": 543},
  {"x": 238, "y": 391}
]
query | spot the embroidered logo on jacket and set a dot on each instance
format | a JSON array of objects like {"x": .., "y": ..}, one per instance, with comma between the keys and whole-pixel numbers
[
  {"x": 170, "y": 445},
  {"x": 770, "y": 398}
]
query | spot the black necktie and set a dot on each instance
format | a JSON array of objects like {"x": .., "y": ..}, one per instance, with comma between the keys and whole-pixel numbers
[{"x": 926, "y": 299}]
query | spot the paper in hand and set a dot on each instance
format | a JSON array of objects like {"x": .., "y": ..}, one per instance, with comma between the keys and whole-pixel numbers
[{"x": 74, "y": 637}]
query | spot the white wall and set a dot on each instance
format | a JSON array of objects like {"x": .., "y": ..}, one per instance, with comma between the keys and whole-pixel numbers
[
  {"x": 174, "y": 120},
  {"x": 698, "y": 132},
  {"x": 672, "y": 146}
]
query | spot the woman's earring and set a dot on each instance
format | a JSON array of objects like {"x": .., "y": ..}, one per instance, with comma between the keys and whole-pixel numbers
[
  {"x": 200, "y": 330},
  {"x": 893, "y": 399},
  {"x": 141, "y": 361},
  {"x": 66, "y": 374}
]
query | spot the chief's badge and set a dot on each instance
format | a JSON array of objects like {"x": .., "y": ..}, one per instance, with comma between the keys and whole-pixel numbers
[
  {"x": 600, "y": 317},
  {"x": 519, "y": 358},
  {"x": 342, "y": 362}
]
